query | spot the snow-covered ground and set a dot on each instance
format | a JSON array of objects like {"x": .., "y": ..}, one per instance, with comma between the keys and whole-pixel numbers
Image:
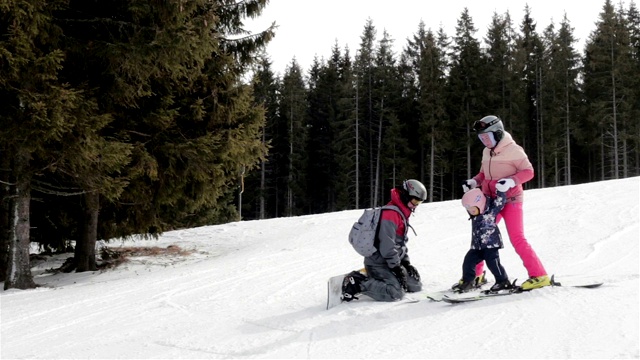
[{"x": 257, "y": 289}]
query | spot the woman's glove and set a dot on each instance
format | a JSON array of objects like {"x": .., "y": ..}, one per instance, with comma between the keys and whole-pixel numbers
[
  {"x": 469, "y": 184},
  {"x": 505, "y": 184}
]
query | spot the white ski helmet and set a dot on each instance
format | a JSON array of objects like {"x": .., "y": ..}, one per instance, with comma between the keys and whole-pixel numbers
[
  {"x": 415, "y": 189},
  {"x": 490, "y": 123},
  {"x": 474, "y": 197}
]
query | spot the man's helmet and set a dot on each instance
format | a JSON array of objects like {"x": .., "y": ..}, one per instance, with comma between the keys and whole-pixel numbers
[
  {"x": 474, "y": 197},
  {"x": 415, "y": 189},
  {"x": 492, "y": 124}
]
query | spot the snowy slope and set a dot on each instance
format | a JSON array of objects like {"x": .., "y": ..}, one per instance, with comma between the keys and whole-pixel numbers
[{"x": 257, "y": 289}]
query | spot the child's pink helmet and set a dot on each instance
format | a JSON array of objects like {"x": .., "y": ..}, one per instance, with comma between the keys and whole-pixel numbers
[{"x": 474, "y": 197}]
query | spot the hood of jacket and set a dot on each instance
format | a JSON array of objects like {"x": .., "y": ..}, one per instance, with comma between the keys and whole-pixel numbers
[{"x": 397, "y": 201}]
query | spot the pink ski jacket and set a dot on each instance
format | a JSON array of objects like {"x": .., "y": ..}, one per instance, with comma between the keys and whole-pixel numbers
[{"x": 506, "y": 160}]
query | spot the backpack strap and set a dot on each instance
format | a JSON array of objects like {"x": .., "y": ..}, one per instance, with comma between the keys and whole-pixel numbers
[{"x": 404, "y": 218}]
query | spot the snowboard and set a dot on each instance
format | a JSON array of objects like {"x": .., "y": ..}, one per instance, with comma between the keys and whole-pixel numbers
[{"x": 334, "y": 289}]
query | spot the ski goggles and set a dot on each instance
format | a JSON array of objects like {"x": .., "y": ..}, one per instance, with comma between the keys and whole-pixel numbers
[
  {"x": 416, "y": 201},
  {"x": 481, "y": 125}
]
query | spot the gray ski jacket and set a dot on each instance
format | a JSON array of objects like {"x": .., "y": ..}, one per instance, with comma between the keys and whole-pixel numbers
[{"x": 392, "y": 236}]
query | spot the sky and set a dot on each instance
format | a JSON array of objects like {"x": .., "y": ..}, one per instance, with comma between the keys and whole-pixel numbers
[
  {"x": 257, "y": 289},
  {"x": 311, "y": 28}
]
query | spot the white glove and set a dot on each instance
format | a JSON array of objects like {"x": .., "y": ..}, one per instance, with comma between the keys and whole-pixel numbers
[
  {"x": 505, "y": 184},
  {"x": 469, "y": 184}
]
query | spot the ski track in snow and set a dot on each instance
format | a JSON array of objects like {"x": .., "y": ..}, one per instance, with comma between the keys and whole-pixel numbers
[{"x": 257, "y": 289}]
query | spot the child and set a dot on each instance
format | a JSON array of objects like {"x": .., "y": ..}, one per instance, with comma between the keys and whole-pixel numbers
[{"x": 485, "y": 240}]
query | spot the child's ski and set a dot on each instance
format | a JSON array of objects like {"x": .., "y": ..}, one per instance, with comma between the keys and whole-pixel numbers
[{"x": 487, "y": 294}]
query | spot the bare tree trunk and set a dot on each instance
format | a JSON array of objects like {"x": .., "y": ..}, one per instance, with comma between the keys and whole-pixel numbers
[
  {"x": 468, "y": 146},
  {"x": 85, "y": 252},
  {"x": 422, "y": 170},
  {"x": 540, "y": 130},
  {"x": 603, "y": 159},
  {"x": 5, "y": 207},
  {"x": 615, "y": 119},
  {"x": 263, "y": 172},
  {"x": 357, "y": 148},
  {"x": 370, "y": 123},
  {"x": 567, "y": 140},
  {"x": 637, "y": 157},
  {"x": 432, "y": 165},
  {"x": 290, "y": 175},
  {"x": 557, "y": 171},
  {"x": 262, "y": 190},
  {"x": 19, "y": 269},
  {"x": 377, "y": 179},
  {"x": 625, "y": 158}
]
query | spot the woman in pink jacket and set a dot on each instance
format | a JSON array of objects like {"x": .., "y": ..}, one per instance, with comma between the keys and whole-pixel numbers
[{"x": 505, "y": 166}]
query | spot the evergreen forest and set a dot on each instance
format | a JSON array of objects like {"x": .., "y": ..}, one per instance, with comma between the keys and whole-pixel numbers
[{"x": 130, "y": 118}]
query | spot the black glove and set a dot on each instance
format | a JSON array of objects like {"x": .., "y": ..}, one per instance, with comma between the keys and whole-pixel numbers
[
  {"x": 401, "y": 275},
  {"x": 411, "y": 270}
]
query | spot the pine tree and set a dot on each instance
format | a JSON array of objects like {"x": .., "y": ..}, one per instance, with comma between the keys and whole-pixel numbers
[
  {"x": 529, "y": 67},
  {"x": 396, "y": 161},
  {"x": 467, "y": 93},
  {"x": 110, "y": 43},
  {"x": 292, "y": 142},
  {"x": 633, "y": 19},
  {"x": 322, "y": 99},
  {"x": 386, "y": 91},
  {"x": 428, "y": 59},
  {"x": 499, "y": 85},
  {"x": 260, "y": 184},
  {"x": 345, "y": 142},
  {"x": 365, "y": 68},
  {"x": 559, "y": 101},
  {"x": 330, "y": 140},
  {"x": 409, "y": 151},
  {"x": 181, "y": 105},
  {"x": 43, "y": 121},
  {"x": 608, "y": 84}
]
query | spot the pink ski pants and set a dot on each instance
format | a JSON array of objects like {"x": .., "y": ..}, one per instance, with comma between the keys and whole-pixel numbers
[{"x": 513, "y": 219}]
